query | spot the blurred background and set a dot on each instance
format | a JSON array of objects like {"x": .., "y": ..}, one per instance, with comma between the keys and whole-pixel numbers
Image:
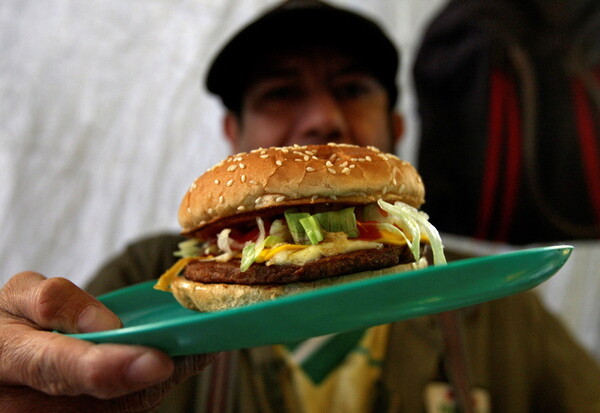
[{"x": 104, "y": 123}]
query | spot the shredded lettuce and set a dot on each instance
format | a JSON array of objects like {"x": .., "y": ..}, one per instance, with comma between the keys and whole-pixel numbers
[
  {"x": 279, "y": 229},
  {"x": 249, "y": 254},
  {"x": 188, "y": 248},
  {"x": 223, "y": 241},
  {"x": 313, "y": 229},
  {"x": 412, "y": 222},
  {"x": 402, "y": 220},
  {"x": 252, "y": 250},
  {"x": 261, "y": 230}
]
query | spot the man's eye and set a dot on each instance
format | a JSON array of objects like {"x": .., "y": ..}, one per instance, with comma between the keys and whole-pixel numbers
[
  {"x": 279, "y": 93},
  {"x": 351, "y": 90}
]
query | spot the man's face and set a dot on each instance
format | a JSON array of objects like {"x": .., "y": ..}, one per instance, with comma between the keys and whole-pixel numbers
[{"x": 313, "y": 98}]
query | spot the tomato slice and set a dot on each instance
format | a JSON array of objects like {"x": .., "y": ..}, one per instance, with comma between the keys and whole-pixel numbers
[
  {"x": 251, "y": 235},
  {"x": 368, "y": 230}
]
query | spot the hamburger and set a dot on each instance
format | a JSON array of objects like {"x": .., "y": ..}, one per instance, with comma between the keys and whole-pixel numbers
[{"x": 284, "y": 220}]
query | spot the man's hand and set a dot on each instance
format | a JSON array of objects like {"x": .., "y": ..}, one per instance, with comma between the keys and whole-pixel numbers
[{"x": 45, "y": 371}]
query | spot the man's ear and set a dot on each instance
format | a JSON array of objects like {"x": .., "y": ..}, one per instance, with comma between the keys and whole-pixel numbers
[
  {"x": 231, "y": 128},
  {"x": 397, "y": 127}
]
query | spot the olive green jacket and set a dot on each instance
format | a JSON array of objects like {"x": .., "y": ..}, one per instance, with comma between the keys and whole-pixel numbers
[{"x": 520, "y": 353}]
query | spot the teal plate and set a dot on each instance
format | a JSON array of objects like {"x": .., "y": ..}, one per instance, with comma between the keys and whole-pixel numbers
[{"x": 153, "y": 318}]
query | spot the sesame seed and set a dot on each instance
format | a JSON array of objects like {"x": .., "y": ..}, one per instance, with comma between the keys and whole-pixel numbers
[
  {"x": 263, "y": 151},
  {"x": 252, "y": 181},
  {"x": 230, "y": 182},
  {"x": 257, "y": 200},
  {"x": 395, "y": 182},
  {"x": 353, "y": 159},
  {"x": 331, "y": 171},
  {"x": 306, "y": 158},
  {"x": 298, "y": 160},
  {"x": 242, "y": 166},
  {"x": 221, "y": 199},
  {"x": 328, "y": 164},
  {"x": 361, "y": 159},
  {"x": 333, "y": 157},
  {"x": 280, "y": 199},
  {"x": 202, "y": 222},
  {"x": 368, "y": 158},
  {"x": 210, "y": 211},
  {"x": 352, "y": 166},
  {"x": 344, "y": 164},
  {"x": 241, "y": 208},
  {"x": 310, "y": 169},
  {"x": 189, "y": 210},
  {"x": 278, "y": 162},
  {"x": 346, "y": 171},
  {"x": 217, "y": 182},
  {"x": 314, "y": 197},
  {"x": 243, "y": 178},
  {"x": 265, "y": 156},
  {"x": 232, "y": 168},
  {"x": 332, "y": 196},
  {"x": 285, "y": 150}
]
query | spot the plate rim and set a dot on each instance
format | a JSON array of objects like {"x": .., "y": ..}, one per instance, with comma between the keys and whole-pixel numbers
[{"x": 194, "y": 317}]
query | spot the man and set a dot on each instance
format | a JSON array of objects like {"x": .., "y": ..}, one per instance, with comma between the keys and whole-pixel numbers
[{"x": 304, "y": 73}]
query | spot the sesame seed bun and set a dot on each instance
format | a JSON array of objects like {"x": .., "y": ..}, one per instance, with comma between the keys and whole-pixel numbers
[{"x": 279, "y": 177}]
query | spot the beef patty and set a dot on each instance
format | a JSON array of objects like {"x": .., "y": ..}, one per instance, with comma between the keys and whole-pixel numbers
[{"x": 349, "y": 263}]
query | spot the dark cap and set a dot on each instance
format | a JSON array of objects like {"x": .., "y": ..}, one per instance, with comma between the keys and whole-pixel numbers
[{"x": 296, "y": 24}]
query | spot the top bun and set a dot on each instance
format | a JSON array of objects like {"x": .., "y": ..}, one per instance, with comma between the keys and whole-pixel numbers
[{"x": 296, "y": 175}]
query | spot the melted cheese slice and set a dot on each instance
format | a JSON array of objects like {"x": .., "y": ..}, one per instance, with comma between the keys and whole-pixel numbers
[
  {"x": 165, "y": 280},
  {"x": 300, "y": 254}
]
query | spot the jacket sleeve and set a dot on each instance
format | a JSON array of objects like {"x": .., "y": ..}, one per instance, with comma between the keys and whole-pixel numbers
[
  {"x": 569, "y": 377},
  {"x": 141, "y": 261}
]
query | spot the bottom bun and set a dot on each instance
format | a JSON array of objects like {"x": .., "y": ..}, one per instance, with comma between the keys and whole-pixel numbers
[{"x": 215, "y": 297}]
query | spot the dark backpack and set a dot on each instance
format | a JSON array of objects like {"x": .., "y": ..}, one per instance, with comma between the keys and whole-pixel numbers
[{"x": 509, "y": 104}]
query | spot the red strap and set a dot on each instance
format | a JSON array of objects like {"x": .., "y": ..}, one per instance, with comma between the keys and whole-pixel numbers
[
  {"x": 504, "y": 113},
  {"x": 455, "y": 359},
  {"x": 493, "y": 155},
  {"x": 513, "y": 162},
  {"x": 220, "y": 396},
  {"x": 590, "y": 155}
]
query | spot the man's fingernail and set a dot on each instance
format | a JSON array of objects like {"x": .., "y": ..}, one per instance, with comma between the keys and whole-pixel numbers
[
  {"x": 94, "y": 318},
  {"x": 147, "y": 368}
]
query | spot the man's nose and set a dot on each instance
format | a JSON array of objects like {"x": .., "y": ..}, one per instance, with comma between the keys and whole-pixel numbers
[{"x": 322, "y": 119}]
